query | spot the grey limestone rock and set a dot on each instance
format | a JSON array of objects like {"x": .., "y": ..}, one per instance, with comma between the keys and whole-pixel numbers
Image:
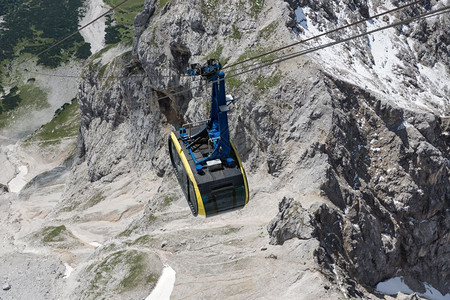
[
  {"x": 292, "y": 221},
  {"x": 6, "y": 286},
  {"x": 379, "y": 171},
  {"x": 3, "y": 189}
]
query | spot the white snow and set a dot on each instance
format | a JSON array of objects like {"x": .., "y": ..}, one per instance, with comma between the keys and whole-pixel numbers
[
  {"x": 18, "y": 182},
  {"x": 68, "y": 270},
  {"x": 94, "y": 33},
  {"x": 164, "y": 287},
  {"x": 386, "y": 76},
  {"x": 338, "y": 280},
  {"x": 95, "y": 244},
  {"x": 395, "y": 285}
]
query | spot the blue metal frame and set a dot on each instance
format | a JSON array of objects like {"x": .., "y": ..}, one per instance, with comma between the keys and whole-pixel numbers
[{"x": 217, "y": 126}]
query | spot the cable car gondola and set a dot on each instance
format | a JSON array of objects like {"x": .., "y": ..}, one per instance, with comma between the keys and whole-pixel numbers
[{"x": 205, "y": 162}]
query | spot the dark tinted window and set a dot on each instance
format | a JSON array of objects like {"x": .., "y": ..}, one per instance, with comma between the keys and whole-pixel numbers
[
  {"x": 224, "y": 200},
  {"x": 179, "y": 169},
  {"x": 192, "y": 196}
]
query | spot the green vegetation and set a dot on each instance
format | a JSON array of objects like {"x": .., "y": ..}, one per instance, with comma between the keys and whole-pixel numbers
[
  {"x": 153, "y": 40},
  {"x": 101, "y": 52},
  {"x": 102, "y": 70},
  {"x": 65, "y": 123},
  {"x": 124, "y": 15},
  {"x": 265, "y": 83},
  {"x": 112, "y": 32},
  {"x": 10, "y": 101},
  {"x": 267, "y": 31},
  {"x": 94, "y": 200},
  {"x": 217, "y": 54},
  {"x": 167, "y": 200},
  {"x": 208, "y": 7},
  {"x": 52, "y": 234},
  {"x": 143, "y": 240},
  {"x": 236, "y": 33},
  {"x": 258, "y": 50},
  {"x": 256, "y": 7},
  {"x": 135, "y": 265},
  {"x": 162, "y": 3},
  {"x": 151, "y": 218},
  {"x": 233, "y": 83},
  {"x": 34, "y": 25},
  {"x": 137, "y": 275},
  {"x": 127, "y": 232},
  {"x": 30, "y": 97}
]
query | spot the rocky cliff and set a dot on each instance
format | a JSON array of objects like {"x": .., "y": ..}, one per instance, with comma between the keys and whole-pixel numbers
[{"x": 351, "y": 145}]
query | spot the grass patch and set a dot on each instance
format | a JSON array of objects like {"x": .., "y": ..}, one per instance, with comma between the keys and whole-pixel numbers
[
  {"x": 20, "y": 101},
  {"x": 152, "y": 218},
  {"x": 143, "y": 240},
  {"x": 65, "y": 123},
  {"x": 236, "y": 33},
  {"x": 209, "y": 7},
  {"x": 127, "y": 232},
  {"x": 258, "y": 50},
  {"x": 132, "y": 264},
  {"x": 72, "y": 206},
  {"x": 137, "y": 274},
  {"x": 161, "y": 4},
  {"x": 53, "y": 234},
  {"x": 94, "y": 200},
  {"x": 10, "y": 101},
  {"x": 102, "y": 271},
  {"x": 124, "y": 19},
  {"x": 233, "y": 83},
  {"x": 265, "y": 83},
  {"x": 267, "y": 31},
  {"x": 256, "y": 7},
  {"x": 102, "y": 70},
  {"x": 217, "y": 54},
  {"x": 167, "y": 200},
  {"x": 102, "y": 51}
]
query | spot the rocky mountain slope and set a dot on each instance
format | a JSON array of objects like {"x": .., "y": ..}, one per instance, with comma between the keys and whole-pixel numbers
[{"x": 346, "y": 149}]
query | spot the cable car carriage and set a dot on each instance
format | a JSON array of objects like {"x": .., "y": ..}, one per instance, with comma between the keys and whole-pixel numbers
[{"x": 205, "y": 161}]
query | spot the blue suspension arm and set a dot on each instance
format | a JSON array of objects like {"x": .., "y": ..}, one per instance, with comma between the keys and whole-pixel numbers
[{"x": 217, "y": 126}]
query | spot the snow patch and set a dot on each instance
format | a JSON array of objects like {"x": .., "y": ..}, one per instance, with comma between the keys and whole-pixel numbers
[
  {"x": 164, "y": 287},
  {"x": 95, "y": 244},
  {"x": 382, "y": 69},
  {"x": 18, "y": 182},
  {"x": 338, "y": 280},
  {"x": 68, "y": 270},
  {"x": 395, "y": 285}
]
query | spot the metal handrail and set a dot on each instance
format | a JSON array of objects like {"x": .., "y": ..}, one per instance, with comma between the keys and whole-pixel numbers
[{"x": 194, "y": 124}]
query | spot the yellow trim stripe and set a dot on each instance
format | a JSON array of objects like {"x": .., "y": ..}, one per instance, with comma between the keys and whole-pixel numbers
[
  {"x": 243, "y": 173},
  {"x": 187, "y": 167}
]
